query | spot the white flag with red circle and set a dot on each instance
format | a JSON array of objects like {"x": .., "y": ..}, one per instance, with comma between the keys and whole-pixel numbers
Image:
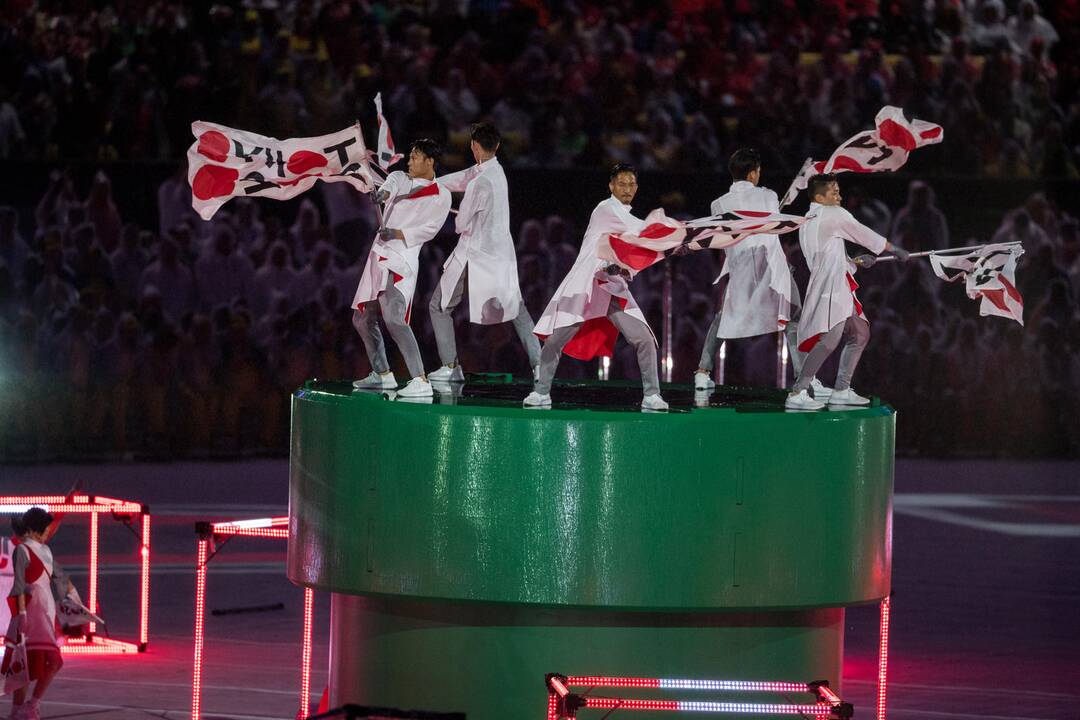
[
  {"x": 989, "y": 275},
  {"x": 224, "y": 163},
  {"x": 883, "y": 149}
]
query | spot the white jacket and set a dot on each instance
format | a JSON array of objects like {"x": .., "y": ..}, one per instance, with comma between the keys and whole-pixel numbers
[
  {"x": 586, "y": 292},
  {"x": 485, "y": 247},
  {"x": 758, "y": 296},
  {"x": 830, "y": 295},
  {"x": 417, "y": 208}
]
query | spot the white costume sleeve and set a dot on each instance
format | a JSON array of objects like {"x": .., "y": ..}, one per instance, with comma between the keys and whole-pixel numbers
[
  {"x": 851, "y": 229},
  {"x": 457, "y": 182},
  {"x": 477, "y": 201}
]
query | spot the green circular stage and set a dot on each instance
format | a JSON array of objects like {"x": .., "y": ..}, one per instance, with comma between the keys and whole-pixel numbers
[{"x": 474, "y": 546}]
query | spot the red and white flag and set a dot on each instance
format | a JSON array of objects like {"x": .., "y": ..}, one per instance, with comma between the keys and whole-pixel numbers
[
  {"x": 662, "y": 236},
  {"x": 14, "y": 668},
  {"x": 387, "y": 155},
  {"x": 989, "y": 274},
  {"x": 883, "y": 149},
  {"x": 224, "y": 163}
]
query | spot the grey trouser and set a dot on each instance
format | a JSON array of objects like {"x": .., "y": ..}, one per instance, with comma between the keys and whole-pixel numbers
[
  {"x": 791, "y": 333},
  {"x": 636, "y": 333},
  {"x": 391, "y": 305},
  {"x": 443, "y": 324},
  {"x": 855, "y": 332}
]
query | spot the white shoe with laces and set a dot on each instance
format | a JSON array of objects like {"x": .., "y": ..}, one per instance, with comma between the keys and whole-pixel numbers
[
  {"x": 819, "y": 391},
  {"x": 536, "y": 400},
  {"x": 376, "y": 381},
  {"x": 654, "y": 403},
  {"x": 702, "y": 381},
  {"x": 847, "y": 397},
  {"x": 417, "y": 388},
  {"x": 448, "y": 374},
  {"x": 802, "y": 401}
]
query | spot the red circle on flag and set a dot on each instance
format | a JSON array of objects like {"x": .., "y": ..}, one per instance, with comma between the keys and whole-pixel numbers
[
  {"x": 213, "y": 181},
  {"x": 214, "y": 145},
  {"x": 303, "y": 160}
]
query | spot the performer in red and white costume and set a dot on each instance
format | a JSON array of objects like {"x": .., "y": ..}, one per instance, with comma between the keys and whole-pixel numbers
[
  {"x": 416, "y": 209},
  {"x": 484, "y": 263},
  {"x": 593, "y": 303},
  {"x": 831, "y": 311},
  {"x": 33, "y": 609}
]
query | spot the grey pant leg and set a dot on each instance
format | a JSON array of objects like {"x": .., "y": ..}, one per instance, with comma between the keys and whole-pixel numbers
[
  {"x": 523, "y": 326},
  {"x": 549, "y": 356},
  {"x": 637, "y": 334},
  {"x": 367, "y": 326},
  {"x": 708, "y": 350},
  {"x": 856, "y": 336},
  {"x": 442, "y": 321},
  {"x": 816, "y": 357},
  {"x": 791, "y": 332},
  {"x": 393, "y": 306}
]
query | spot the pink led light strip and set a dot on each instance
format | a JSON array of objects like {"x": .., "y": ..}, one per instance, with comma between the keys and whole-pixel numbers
[
  {"x": 277, "y": 528},
  {"x": 687, "y": 684},
  {"x": 883, "y": 659},
  {"x": 711, "y": 707}
]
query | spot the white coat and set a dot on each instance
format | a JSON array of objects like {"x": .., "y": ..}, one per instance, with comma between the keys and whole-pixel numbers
[
  {"x": 758, "y": 297},
  {"x": 36, "y": 583},
  {"x": 830, "y": 295},
  {"x": 485, "y": 247},
  {"x": 417, "y": 208},
  {"x": 586, "y": 292}
]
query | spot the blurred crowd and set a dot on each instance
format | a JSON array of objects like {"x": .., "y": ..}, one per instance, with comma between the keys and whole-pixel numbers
[
  {"x": 570, "y": 83},
  {"x": 186, "y": 339}
]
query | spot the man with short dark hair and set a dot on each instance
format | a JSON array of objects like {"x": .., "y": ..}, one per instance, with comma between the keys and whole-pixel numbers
[
  {"x": 831, "y": 311},
  {"x": 761, "y": 297},
  {"x": 416, "y": 209},
  {"x": 483, "y": 264},
  {"x": 593, "y": 303}
]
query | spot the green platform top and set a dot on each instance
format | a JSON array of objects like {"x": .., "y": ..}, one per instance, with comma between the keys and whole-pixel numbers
[{"x": 736, "y": 505}]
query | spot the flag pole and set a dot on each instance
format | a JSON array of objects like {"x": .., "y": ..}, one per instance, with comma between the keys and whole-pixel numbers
[
  {"x": 366, "y": 162},
  {"x": 946, "y": 251}
]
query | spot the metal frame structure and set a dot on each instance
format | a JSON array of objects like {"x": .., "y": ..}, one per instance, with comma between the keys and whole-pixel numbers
[
  {"x": 564, "y": 705},
  {"x": 211, "y": 537},
  {"x": 123, "y": 511}
]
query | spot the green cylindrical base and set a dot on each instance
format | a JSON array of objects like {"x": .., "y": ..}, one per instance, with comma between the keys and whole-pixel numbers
[{"x": 489, "y": 661}]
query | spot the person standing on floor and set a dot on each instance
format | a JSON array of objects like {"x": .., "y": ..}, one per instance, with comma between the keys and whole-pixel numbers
[
  {"x": 483, "y": 265},
  {"x": 416, "y": 209}
]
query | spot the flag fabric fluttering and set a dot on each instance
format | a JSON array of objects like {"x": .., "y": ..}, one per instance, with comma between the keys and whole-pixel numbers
[
  {"x": 883, "y": 149},
  {"x": 386, "y": 155},
  {"x": 662, "y": 236},
  {"x": 224, "y": 163},
  {"x": 989, "y": 274},
  {"x": 14, "y": 668}
]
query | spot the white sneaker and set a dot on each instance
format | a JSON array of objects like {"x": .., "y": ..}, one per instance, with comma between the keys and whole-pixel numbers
[
  {"x": 654, "y": 403},
  {"x": 702, "y": 381},
  {"x": 819, "y": 391},
  {"x": 802, "y": 401},
  {"x": 417, "y": 387},
  {"x": 376, "y": 381},
  {"x": 448, "y": 374},
  {"x": 701, "y": 398},
  {"x": 535, "y": 399},
  {"x": 847, "y": 397}
]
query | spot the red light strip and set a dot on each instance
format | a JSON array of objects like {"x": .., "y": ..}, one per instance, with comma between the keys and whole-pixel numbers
[
  {"x": 883, "y": 659},
  {"x": 41, "y": 499},
  {"x": 305, "y": 656},
  {"x": 100, "y": 646},
  {"x": 711, "y": 707},
  {"x": 144, "y": 582},
  {"x": 200, "y": 612},
  {"x": 553, "y": 712},
  {"x": 93, "y": 581},
  {"x": 687, "y": 684},
  {"x": 7, "y": 506},
  {"x": 241, "y": 526}
]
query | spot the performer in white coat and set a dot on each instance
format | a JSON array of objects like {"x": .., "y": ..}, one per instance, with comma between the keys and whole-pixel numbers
[
  {"x": 761, "y": 296},
  {"x": 831, "y": 311},
  {"x": 483, "y": 264},
  {"x": 416, "y": 208},
  {"x": 593, "y": 303}
]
